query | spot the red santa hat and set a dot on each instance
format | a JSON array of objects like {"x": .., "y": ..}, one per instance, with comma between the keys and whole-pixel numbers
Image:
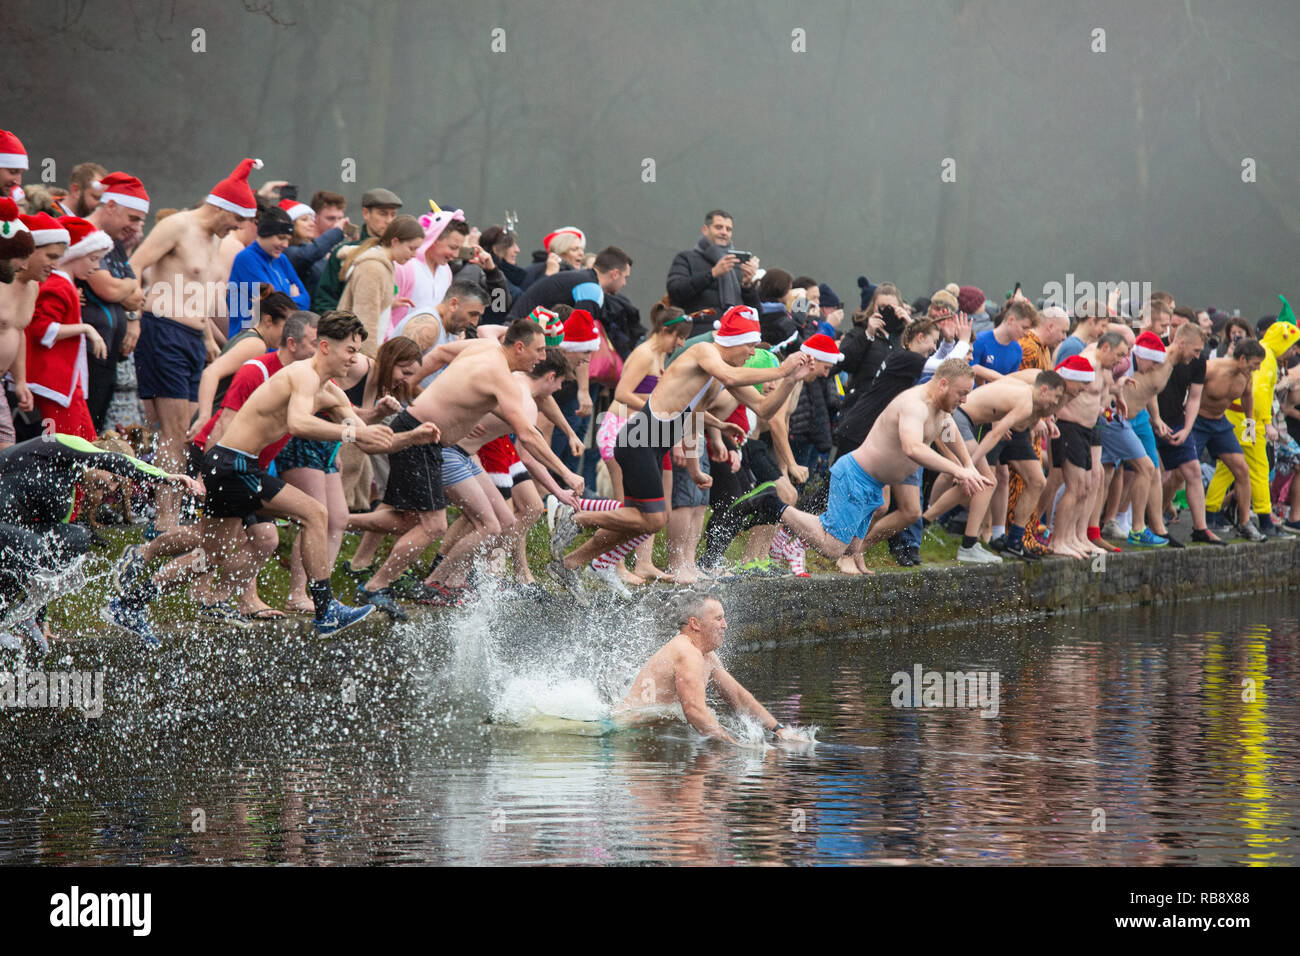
[
  {"x": 1076, "y": 369},
  {"x": 125, "y": 190},
  {"x": 738, "y": 326},
  {"x": 296, "y": 209},
  {"x": 1149, "y": 346},
  {"x": 823, "y": 348},
  {"x": 12, "y": 153},
  {"x": 83, "y": 239},
  {"x": 233, "y": 193},
  {"x": 564, "y": 230},
  {"x": 580, "y": 333},
  {"x": 15, "y": 238},
  {"x": 45, "y": 229}
]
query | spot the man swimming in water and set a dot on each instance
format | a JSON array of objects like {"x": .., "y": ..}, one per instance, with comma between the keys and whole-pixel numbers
[{"x": 680, "y": 671}]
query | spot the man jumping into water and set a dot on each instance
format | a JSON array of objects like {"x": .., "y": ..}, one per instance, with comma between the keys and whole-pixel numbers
[{"x": 680, "y": 671}]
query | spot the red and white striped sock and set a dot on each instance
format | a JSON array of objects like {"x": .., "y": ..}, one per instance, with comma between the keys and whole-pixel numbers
[
  {"x": 780, "y": 542},
  {"x": 617, "y": 553},
  {"x": 598, "y": 504},
  {"x": 788, "y": 546}
]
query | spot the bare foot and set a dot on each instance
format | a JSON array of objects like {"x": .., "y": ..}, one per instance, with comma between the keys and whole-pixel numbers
[
  {"x": 848, "y": 565},
  {"x": 299, "y": 604},
  {"x": 686, "y": 576},
  {"x": 629, "y": 577},
  {"x": 653, "y": 573}
]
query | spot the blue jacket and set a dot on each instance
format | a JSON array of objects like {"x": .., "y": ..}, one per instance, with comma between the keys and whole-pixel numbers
[
  {"x": 308, "y": 259},
  {"x": 254, "y": 265}
]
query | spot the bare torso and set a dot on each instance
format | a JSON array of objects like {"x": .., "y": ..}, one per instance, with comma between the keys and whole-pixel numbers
[
  {"x": 465, "y": 391},
  {"x": 264, "y": 418},
  {"x": 495, "y": 426},
  {"x": 187, "y": 284},
  {"x": 656, "y": 683},
  {"x": 17, "y": 300},
  {"x": 1085, "y": 408},
  {"x": 994, "y": 400},
  {"x": 682, "y": 383},
  {"x": 881, "y": 454},
  {"x": 1140, "y": 386},
  {"x": 1224, "y": 384}
]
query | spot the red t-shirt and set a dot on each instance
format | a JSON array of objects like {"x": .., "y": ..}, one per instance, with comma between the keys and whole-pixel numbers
[{"x": 250, "y": 375}]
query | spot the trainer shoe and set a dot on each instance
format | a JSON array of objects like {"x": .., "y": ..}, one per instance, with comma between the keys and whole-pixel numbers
[
  {"x": 1215, "y": 521},
  {"x": 1113, "y": 530},
  {"x": 1017, "y": 549},
  {"x": 1250, "y": 532},
  {"x": 382, "y": 599},
  {"x": 1147, "y": 539},
  {"x": 1203, "y": 537},
  {"x": 608, "y": 576},
  {"x": 762, "y": 502},
  {"x": 438, "y": 595},
  {"x": 408, "y": 585},
  {"x": 564, "y": 530},
  {"x": 339, "y": 615},
  {"x": 1292, "y": 526},
  {"x": 361, "y": 574},
  {"x": 128, "y": 569},
  {"x": 759, "y": 568},
  {"x": 976, "y": 554},
  {"x": 135, "y": 621},
  {"x": 1275, "y": 530},
  {"x": 566, "y": 577}
]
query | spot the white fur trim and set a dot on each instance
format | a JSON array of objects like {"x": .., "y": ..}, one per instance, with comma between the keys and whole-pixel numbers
[
  {"x": 1071, "y": 375},
  {"x": 97, "y": 241},
  {"x": 48, "y": 237},
  {"x": 16, "y": 226},
  {"x": 13, "y": 161},
  {"x": 744, "y": 338},
  {"x": 226, "y": 204},
  {"x": 257, "y": 164},
  {"x": 1153, "y": 355},
  {"x": 831, "y": 357},
  {"x": 130, "y": 202},
  {"x": 588, "y": 346},
  {"x": 296, "y": 212}
]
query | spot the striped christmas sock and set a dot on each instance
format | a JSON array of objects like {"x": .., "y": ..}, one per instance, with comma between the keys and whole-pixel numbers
[
  {"x": 791, "y": 547},
  {"x": 598, "y": 504},
  {"x": 617, "y": 553}
]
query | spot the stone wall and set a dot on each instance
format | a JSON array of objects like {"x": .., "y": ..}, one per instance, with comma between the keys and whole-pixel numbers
[{"x": 764, "y": 610}]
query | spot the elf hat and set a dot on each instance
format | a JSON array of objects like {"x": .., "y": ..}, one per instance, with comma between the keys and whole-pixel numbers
[
  {"x": 738, "y": 326},
  {"x": 233, "y": 193},
  {"x": 15, "y": 238},
  {"x": 823, "y": 348},
  {"x": 1149, "y": 346},
  {"x": 580, "y": 332},
  {"x": 124, "y": 190},
  {"x": 551, "y": 325},
  {"x": 83, "y": 239},
  {"x": 1076, "y": 369},
  {"x": 569, "y": 230},
  {"x": 45, "y": 229},
  {"x": 12, "y": 153},
  {"x": 296, "y": 209}
]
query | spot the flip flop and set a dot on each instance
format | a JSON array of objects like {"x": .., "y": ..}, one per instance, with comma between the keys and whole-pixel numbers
[{"x": 264, "y": 614}]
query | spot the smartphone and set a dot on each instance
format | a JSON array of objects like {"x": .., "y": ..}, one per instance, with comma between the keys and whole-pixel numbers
[
  {"x": 288, "y": 192},
  {"x": 742, "y": 256}
]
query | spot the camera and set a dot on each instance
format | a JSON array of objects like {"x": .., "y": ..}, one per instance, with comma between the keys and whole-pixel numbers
[{"x": 742, "y": 256}]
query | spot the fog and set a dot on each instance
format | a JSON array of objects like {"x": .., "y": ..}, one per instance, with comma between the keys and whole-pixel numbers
[{"x": 827, "y": 145}]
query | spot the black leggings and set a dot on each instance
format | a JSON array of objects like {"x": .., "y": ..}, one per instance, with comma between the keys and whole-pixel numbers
[{"x": 25, "y": 552}]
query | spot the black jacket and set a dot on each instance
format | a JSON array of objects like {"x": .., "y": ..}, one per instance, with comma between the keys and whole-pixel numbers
[
  {"x": 863, "y": 358},
  {"x": 622, "y": 321},
  {"x": 811, "y": 421},
  {"x": 576, "y": 287},
  {"x": 692, "y": 287},
  {"x": 899, "y": 373}
]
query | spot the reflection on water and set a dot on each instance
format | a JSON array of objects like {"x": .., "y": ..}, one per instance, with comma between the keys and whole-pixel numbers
[{"x": 1136, "y": 738}]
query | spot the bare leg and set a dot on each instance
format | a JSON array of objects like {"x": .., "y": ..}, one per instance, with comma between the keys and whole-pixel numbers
[
  {"x": 422, "y": 529},
  {"x": 173, "y": 418}
]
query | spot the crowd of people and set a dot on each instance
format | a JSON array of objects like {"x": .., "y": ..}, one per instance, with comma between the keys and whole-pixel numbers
[{"x": 367, "y": 378}]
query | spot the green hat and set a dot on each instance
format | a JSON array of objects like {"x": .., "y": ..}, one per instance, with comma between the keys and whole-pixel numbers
[
  {"x": 762, "y": 358},
  {"x": 1286, "y": 315}
]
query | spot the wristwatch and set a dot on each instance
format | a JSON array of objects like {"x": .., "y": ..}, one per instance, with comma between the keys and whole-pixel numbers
[{"x": 779, "y": 726}]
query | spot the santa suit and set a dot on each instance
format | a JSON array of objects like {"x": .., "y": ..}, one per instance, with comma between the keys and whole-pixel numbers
[{"x": 56, "y": 369}]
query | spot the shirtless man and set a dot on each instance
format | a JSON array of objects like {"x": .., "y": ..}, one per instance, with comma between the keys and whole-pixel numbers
[
  {"x": 1011, "y": 408},
  {"x": 681, "y": 670},
  {"x": 476, "y": 382},
  {"x": 692, "y": 381},
  {"x": 464, "y": 539},
  {"x": 898, "y": 442},
  {"x": 1132, "y": 440},
  {"x": 17, "y": 300},
  {"x": 448, "y": 321},
  {"x": 182, "y": 319},
  {"x": 1077, "y": 448},
  {"x": 291, "y": 401},
  {"x": 1227, "y": 385}
]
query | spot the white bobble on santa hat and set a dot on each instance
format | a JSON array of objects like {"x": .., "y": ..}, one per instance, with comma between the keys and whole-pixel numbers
[
  {"x": 823, "y": 348},
  {"x": 1148, "y": 346},
  {"x": 233, "y": 193},
  {"x": 13, "y": 155},
  {"x": 738, "y": 326},
  {"x": 83, "y": 239}
]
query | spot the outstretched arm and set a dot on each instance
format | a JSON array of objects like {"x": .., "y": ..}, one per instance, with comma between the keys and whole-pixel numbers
[{"x": 741, "y": 700}]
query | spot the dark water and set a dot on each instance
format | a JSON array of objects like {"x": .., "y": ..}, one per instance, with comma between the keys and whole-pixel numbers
[{"x": 1120, "y": 739}]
